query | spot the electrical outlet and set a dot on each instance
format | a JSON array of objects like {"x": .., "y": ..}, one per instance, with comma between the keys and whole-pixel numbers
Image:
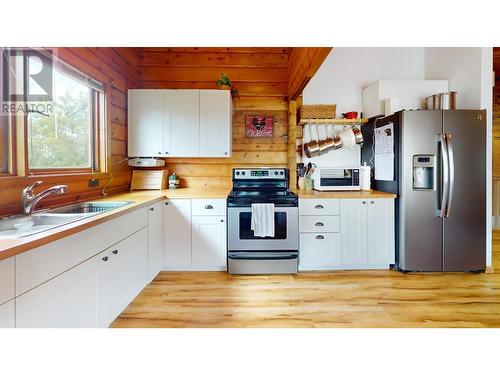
[{"x": 93, "y": 182}]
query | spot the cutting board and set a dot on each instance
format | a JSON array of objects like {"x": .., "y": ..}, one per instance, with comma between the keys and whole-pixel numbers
[{"x": 149, "y": 180}]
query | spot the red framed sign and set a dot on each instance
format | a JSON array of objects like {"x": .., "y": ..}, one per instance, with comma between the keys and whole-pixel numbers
[{"x": 259, "y": 126}]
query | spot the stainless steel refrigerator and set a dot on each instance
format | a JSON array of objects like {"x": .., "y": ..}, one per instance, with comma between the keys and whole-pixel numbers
[{"x": 440, "y": 179}]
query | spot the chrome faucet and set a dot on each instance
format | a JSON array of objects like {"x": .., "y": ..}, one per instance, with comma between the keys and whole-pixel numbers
[{"x": 30, "y": 200}]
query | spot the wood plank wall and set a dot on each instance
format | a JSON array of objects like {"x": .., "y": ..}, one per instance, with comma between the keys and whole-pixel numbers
[
  {"x": 260, "y": 75},
  {"x": 119, "y": 70}
]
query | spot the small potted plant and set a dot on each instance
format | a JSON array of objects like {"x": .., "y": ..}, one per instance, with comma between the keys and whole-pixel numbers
[{"x": 224, "y": 83}]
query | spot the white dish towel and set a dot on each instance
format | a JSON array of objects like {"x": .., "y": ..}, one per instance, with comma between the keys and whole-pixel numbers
[{"x": 263, "y": 219}]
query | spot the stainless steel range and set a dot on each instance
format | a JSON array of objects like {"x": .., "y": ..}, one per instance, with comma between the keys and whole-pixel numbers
[{"x": 248, "y": 254}]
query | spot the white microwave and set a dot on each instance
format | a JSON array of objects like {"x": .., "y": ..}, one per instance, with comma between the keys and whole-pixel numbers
[{"x": 336, "y": 178}]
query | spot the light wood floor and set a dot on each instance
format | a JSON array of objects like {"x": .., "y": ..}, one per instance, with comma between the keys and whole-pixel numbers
[{"x": 333, "y": 299}]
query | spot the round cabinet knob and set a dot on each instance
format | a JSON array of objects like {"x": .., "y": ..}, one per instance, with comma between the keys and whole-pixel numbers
[
  {"x": 159, "y": 152},
  {"x": 364, "y": 202},
  {"x": 225, "y": 153},
  {"x": 105, "y": 259},
  {"x": 115, "y": 252},
  {"x": 152, "y": 209},
  {"x": 166, "y": 152},
  {"x": 221, "y": 220},
  {"x": 166, "y": 203}
]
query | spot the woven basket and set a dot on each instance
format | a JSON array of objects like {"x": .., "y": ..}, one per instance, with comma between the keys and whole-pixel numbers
[{"x": 318, "y": 111}]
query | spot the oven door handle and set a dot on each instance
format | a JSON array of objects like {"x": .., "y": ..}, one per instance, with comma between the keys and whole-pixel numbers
[{"x": 272, "y": 256}]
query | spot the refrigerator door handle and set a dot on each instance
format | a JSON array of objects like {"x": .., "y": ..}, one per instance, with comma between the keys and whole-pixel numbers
[
  {"x": 445, "y": 188},
  {"x": 451, "y": 161}
]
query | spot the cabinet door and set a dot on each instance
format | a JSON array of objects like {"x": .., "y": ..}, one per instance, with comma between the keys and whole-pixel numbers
[
  {"x": 68, "y": 300},
  {"x": 7, "y": 279},
  {"x": 182, "y": 123},
  {"x": 381, "y": 240},
  {"x": 122, "y": 275},
  {"x": 155, "y": 240},
  {"x": 7, "y": 315},
  {"x": 353, "y": 229},
  {"x": 145, "y": 123},
  {"x": 319, "y": 251},
  {"x": 215, "y": 123},
  {"x": 177, "y": 234},
  {"x": 209, "y": 243}
]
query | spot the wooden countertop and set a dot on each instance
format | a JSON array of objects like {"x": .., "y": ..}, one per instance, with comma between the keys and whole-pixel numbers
[
  {"x": 344, "y": 194},
  {"x": 12, "y": 246}
]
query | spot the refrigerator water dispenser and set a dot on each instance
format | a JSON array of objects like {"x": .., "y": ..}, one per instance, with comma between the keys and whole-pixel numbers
[{"x": 424, "y": 172}]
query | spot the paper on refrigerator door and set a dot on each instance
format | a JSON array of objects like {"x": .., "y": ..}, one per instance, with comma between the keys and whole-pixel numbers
[
  {"x": 384, "y": 166},
  {"x": 384, "y": 139},
  {"x": 384, "y": 153}
]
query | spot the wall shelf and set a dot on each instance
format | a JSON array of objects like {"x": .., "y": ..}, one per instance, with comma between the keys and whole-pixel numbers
[{"x": 332, "y": 121}]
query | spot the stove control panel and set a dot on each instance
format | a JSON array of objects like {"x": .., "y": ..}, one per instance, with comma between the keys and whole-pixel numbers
[{"x": 260, "y": 173}]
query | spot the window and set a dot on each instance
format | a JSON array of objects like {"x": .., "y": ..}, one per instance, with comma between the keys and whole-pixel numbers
[
  {"x": 62, "y": 111},
  {"x": 67, "y": 136}
]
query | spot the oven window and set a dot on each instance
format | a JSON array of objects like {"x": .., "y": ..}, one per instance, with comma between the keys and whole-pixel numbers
[{"x": 279, "y": 227}]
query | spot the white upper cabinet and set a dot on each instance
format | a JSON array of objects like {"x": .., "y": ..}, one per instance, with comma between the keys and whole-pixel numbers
[
  {"x": 215, "y": 123},
  {"x": 179, "y": 123},
  {"x": 182, "y": 123},
  {"x": 145, "y": 123}
]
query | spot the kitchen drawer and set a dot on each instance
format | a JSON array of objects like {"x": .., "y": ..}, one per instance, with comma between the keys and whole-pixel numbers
[
  {"x": 319, "y": 206},
  {"x": 316, "y": 224},
  {"x": 208, "y": 207},
  {"x": 179, "y": 203},
  {"x": 319, "y": 251}
]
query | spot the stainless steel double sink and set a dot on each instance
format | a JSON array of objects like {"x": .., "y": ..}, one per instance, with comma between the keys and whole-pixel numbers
[{"x": 27, "y": 225}]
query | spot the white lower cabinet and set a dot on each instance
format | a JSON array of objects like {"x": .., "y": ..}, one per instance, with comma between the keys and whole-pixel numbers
[
  {"x": 354, "y": 232},
  {"x": 208, "y": 243},
  {"x": 7, "y": 280},
  {"x": 177, "y": 234},
  {"x": 66, "y": 301},
  {"x": 7, "y": 315},
  {"x": 122, "y": 275},
  {"x": 91, "y": 294},
  {"x": 360, "y": 235},
  {"x": 320, "y": 251},
  {"x": 195, "y": 234},
  {"x": 155, "y": 240},
  {"x": 367, "y": 229}
]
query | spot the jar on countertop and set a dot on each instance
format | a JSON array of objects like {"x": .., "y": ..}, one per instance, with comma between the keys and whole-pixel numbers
[{"x": 173, "y": 181}]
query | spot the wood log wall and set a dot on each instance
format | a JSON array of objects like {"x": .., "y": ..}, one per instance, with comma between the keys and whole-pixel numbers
[
  {"x": 119, "y": 70},
  {"x": 260, "y": 75}
]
